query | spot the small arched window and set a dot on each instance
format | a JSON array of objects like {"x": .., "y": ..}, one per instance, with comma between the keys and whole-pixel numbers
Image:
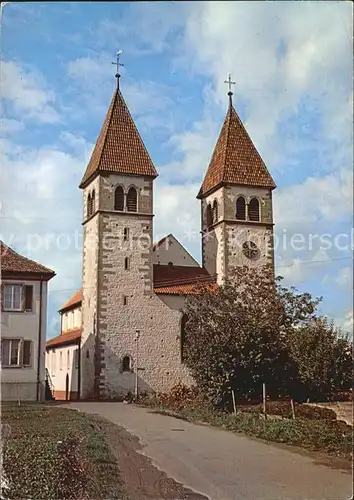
[
  {"x": 88, "y": 208},
  {"x": 93, "y": 201},
  {"x": 209, "y": 216},
  {"x": 253, "y": 209},
  {"x": 241, "y": 208},
  {"x": 215, "y": 212},
  {"x": 126, "y": 364},
  {"x": 126, "y": 263},
  {"x": 132, "y": 200},
  {"x": 119, "y": 199}
]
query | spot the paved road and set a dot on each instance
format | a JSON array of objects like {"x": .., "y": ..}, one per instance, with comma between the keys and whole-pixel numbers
[{"x": 223, "y": 465}]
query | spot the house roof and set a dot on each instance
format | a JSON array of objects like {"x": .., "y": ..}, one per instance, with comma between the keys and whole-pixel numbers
[
  {"x": 74, "y": 301},
  {"x": 159, "y": 243},
  {"x": 184, "y": 289},
  {"x": 13, "y": 262},
  {"x": 235, "y": 159},
  {"x": 119, "y": 147},
  {"x": 180, "y": 280},
  {"x": 70, "y": 337},
  {"x": 167, "y": 279}
]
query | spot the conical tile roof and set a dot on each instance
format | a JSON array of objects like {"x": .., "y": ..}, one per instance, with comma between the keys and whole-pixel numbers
[
  {"x": 119, "y": 147},
  {"x": 235, "y": 159}
]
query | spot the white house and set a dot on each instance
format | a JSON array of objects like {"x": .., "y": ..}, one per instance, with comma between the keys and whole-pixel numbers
[
  {"x": 24, "y": 286},
  {"x": 63, "y": 352}
]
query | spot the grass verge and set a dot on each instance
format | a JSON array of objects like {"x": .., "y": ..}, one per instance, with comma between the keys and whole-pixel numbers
[
  {"x": 322, "y": 434},
  {"x": 56, "y": 453}
]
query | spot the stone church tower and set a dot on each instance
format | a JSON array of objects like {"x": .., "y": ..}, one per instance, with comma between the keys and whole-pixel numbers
[
  {"x": 236, "y": 203},
  {"x": 122, "y": 317}
]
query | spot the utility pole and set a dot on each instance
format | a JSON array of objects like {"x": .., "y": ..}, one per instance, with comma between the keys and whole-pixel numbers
[{"x": 137, "y": 335}]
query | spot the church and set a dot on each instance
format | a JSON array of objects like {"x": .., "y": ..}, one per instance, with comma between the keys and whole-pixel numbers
[{"x": 123, "y": 331}]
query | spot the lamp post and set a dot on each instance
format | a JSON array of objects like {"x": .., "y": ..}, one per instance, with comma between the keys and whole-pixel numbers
[{"x": 137, "y": 335}]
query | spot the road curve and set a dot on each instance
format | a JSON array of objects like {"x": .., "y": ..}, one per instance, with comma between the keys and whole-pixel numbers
[{"x": 223, "y": 465}]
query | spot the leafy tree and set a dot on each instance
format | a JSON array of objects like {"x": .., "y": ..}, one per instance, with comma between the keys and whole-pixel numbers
[
  {"x": 323, "y": 357},
  {"x": 236, "y": 335}
]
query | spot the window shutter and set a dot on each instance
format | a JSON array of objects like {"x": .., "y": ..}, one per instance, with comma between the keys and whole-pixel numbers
[
  {"x": 2, "y": 295},
  {"x": 28, "y": 298},
  {"x": 27, "y": 344}
]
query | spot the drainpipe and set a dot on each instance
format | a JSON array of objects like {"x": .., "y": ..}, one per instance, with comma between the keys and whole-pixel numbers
[
  {"x": 39, "y": 339},
  {"x": 79, "y": 371}
]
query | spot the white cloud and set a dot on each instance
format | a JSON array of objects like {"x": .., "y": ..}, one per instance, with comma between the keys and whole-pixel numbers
[
  {"x": 28, "y": 92},
  {"x": 9, "y": 126},
  {"x": 41, "y": 211},
  {"x": 345, "y": 277},
  {"x": 178, "y": 211},
  {"x": 325, "y": 199},
  {"x": 244, "y": 38},
  {"x": 346, "y": 322}
]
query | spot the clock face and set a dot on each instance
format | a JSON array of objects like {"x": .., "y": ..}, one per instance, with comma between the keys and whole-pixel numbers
[{"x": 251, "y": 250}]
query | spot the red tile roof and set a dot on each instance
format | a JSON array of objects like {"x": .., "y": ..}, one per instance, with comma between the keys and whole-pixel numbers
[
  {"x": 119, "y": 147},
  {"x": 74, "y": 301},
  {"x": 188, "y": 289},
  {"x": 180, "y": 280},
  {"x": 70, "y": 337},
  {"x": 13, "y": 262},
  {"x": 235, "y": 159}
]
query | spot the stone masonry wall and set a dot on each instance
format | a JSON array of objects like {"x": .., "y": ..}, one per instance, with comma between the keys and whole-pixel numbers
[
  {"x": 127, "y": 302},
  {"x": 213, "y": 241},
  {"x": 237, "y": 233},
  {"x": 89, "y": 284}
]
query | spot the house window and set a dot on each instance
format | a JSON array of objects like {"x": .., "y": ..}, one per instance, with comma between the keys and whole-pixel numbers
[
  {"x": 10, "y": 352},
  {"x": 68, "y": 361},
  {"x": 132, "y": 200},
  {"x": 53, "y": 363},
  {"x": 72, "y": 319},
  {"x": 13, "y": 297},
  {"x": 126, "y": 233},
  {"x": 126, "y": 263},
  {"x": 125, "y": 300},
  {"x": 241, "y": 208},
  {"x": 126, "y": 364},
  {"x": 253, "y": 210},
  {"x": 61, "y": 360},
  {"x": 119, "y": 199},
  {"x": 15, "y": 352}
]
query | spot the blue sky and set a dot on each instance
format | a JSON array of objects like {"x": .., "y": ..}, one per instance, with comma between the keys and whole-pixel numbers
[{"x": 292, "y": 64}]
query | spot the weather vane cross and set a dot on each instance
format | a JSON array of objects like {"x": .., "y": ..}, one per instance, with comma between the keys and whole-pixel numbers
[
  {"x": 229, "y": 82},
  {"x": 117, "y": 64}
]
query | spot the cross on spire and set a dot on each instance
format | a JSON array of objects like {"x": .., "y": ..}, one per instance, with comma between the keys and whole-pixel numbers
[
  {"x": 230, "y": 82},
  {"x": 117, "y": 64}
]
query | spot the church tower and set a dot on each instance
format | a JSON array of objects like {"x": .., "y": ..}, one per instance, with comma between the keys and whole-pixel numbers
[
  {"x": 236, "y": 203},
  {"x": 117, "y": 260}
]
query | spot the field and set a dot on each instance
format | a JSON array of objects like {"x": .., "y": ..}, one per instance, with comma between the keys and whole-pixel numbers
[{"x": 58, "y": 453}]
